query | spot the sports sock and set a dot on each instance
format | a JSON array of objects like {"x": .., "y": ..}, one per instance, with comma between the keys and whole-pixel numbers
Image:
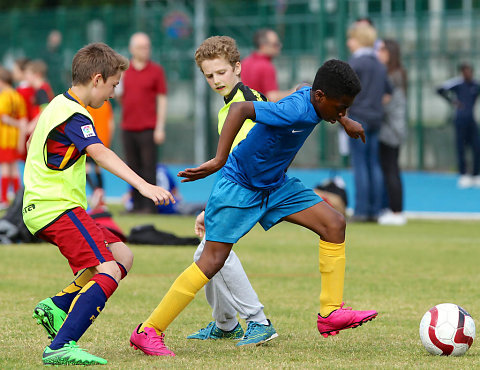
[
  {"x": 123, "y": 270},
  {"x": 15, "y": 183},
  {"x": 65, "y": 297},
  {"x": 5, "y": 181},
  {"x": 332, "y": 267},
  {"x": 180, "y": 294},
  {"x": 85, "y": 308}
]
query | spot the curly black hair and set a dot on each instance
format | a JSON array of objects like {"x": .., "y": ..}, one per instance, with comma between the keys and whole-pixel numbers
[{"x": 336, "y": 79}]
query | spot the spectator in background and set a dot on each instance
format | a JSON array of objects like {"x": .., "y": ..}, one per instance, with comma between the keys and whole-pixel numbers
[
  {"x": 35, "y": 75},
  {"x": 144, "y": 109},
  {"x": 27, "y": 91},
  {"x": 368, "y": 110},
  {"x": 462, "y": 93},
  {"x": 58, "y": 76},
  {"x": 393, "y": 132},
  {"x": 103, "y": 119},
  {"x": 13, "y": 115},
  {"x": 258, "y": 71}
]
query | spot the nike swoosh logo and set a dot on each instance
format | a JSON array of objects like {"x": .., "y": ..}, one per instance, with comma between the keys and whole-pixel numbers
[{"x": 296, "y": 131}]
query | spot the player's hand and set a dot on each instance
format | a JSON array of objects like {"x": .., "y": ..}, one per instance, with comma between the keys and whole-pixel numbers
[
  {"x": 353, "y": 128},
  {"x": 200, "y": 224},
  {"x": 206, "y": 169},
  {"x": 157, "y": 194}
]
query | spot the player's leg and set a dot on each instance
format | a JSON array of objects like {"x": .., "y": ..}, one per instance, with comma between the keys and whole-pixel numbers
[
  {"x": 330, "y": 226},
  {"x": 149, "y": 336},
  {"x": 83, "y": 243},
  {"x": 52, "y": 311},
  {"x": 226, "y": 325},
  {"x": 5, "y": 181},
  {"x": 229, "y": 292}
]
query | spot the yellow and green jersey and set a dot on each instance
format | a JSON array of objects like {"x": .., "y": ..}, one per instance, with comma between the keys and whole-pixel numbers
[
  {"x": 53, "y": 188},
  {"x": 239, "y": 93}
]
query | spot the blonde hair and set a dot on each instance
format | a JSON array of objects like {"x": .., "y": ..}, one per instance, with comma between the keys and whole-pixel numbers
[
  {"x": 217, "y": 47},
  {"x": 363, "y": 33},
  {"x": 96, "y": 58}
]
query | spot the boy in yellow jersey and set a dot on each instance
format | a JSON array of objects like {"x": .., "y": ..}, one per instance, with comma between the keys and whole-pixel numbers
[
  {"x": 253, "y": 186},
  {"x": 54, "y": 203},
  {"x": 13, "y": 117},
  {"x": 229, "y": 292}
]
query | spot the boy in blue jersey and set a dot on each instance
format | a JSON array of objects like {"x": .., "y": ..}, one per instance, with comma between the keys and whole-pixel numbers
[{"x": 253, "y": 187}]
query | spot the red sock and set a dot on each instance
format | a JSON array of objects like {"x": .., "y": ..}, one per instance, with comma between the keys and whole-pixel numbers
[
  {"x": 16, "y": 184},
  {"x": 5, "y": 182}
]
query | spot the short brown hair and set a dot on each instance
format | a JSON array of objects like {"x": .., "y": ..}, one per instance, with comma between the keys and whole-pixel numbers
[
  {"x": 37, "y": 66},
  {"x": 6, "y": 76},
  {"x": 217, "y": 47},
  {"x": 96, "y": 58}
]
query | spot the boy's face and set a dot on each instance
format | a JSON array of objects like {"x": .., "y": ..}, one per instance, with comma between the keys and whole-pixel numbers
[
  {"x": 330, "y": 109},
  {"x": 103, "y": 90},
  {"x": 221, "y": 75}
]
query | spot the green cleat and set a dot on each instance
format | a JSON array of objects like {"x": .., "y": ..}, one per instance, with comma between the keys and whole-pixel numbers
[
  {"x": 212, "y": 331},
  {"x": 49, "y": 316},
  {"x": 70, "y": 354}
]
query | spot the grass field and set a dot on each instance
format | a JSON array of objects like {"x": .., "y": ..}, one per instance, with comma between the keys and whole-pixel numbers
[{"x": 399, "y": 271}]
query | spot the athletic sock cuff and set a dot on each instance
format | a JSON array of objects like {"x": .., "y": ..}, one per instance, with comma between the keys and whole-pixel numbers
[
  {"x": 106, "y": 282},
  {"x": 332, "y": 249},
  {"x": 201, "y": 279},
  {"x": 123, "y": 270}
]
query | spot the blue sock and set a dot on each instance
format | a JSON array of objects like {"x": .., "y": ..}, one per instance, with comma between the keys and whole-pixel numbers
[{"x": 86, "y": 306}]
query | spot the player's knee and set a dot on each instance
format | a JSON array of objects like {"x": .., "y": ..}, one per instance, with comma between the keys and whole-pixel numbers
[
  {"x": 336, "y": 227},
  {"x": 127, "y": 259},
  {"x": 110, "y": 268}
]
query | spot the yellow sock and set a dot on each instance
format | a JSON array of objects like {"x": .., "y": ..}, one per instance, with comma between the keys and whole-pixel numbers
[
  {"x": 332, "y": 267},
  {"x": 181, "y": 293},
  {"x": 76, "y": 284}
]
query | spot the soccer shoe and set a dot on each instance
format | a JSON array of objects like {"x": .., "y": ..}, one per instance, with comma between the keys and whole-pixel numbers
[
  {"x": 49, "y": 316},
  {"x": 70, "y": 354},
  {"x": 343, "y": 318},
  {"x": 149, "y": 342},
  {"x": 212, "y": 331},
  {"x": 257, "y": 334}
]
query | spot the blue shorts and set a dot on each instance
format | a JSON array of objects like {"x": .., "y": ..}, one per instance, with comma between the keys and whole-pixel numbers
[{"x": 233, "y": 210}]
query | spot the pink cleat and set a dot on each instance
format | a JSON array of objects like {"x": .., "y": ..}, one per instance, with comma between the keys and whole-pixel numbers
[
  {"x": 343, "y": 318},
  {"x": 149, "y": 342}
]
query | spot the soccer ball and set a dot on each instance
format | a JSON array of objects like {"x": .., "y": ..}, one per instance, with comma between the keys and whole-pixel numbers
[{"x": 447, "y": 329}]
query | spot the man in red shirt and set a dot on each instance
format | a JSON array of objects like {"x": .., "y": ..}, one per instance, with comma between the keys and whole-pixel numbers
[
  {"x": 258, "y": 71},
  {"x": 144, "y": 103}
]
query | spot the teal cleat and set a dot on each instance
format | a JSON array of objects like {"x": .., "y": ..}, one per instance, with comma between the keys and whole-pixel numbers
[
  {"x": 70, "y": 354},
  {"x": 212, "y": 331},
  {"x": 257, "y": 334},
  {"x": 49, "y": 316}
]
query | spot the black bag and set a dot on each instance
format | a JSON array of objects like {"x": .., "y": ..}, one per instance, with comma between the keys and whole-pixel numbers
[
  {"x": 12, "y": 227},
  {"x": 147, "y": 234}
]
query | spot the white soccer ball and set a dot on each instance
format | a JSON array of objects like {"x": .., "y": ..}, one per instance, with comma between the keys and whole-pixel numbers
[{"x": 447, "y": 329}]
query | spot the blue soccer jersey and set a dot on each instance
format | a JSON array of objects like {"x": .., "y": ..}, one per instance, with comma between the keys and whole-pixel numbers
[{"x": 261, "y": 159}]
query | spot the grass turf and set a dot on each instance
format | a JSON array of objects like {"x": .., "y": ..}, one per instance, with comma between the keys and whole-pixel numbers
[{"x": 399, "y": 271}]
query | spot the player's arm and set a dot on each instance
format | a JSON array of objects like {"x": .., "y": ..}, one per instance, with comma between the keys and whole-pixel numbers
[
  {"x": 237, "y": 114},
  {"x": 159, "y": 132},
  {"x": 108, "y": 160},
  {"x": 353, "y": 128}
]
